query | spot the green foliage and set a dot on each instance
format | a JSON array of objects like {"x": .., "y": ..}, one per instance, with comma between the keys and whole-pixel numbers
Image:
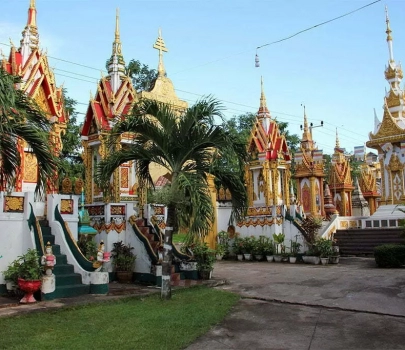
[
  {"x": 311, "y": 226},
  {"x": 21, "y": 117},
  {"x": 26, "y": 266},
  {"x": 133, "y": 323},
  {"x": 88, "y": 247},
  {"x": 278, "y": 238},
  {"x": 223, "y": 243},
  {"x": 390, "y": 255},
  {"x": 238, "y": 245},
  {"x": 71, "y": 155},
  {"x": 324, "y": 247},
  {"x": 123, "y": 257},
  {"x": 186, "y": 147},
  {"x": 204, "y": 256}
]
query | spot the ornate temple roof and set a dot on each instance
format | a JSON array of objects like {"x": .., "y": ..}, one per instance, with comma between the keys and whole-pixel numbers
[
  {"x": 308, "y": 160},
  {"x": 32, "y": 66},
  {"x": 340, "y": 176},
  {"x": 162, "y": 88},
  {"x": 392, "y": 127},
  {"x": 266, "y": 141},
  {"x": 115, "y": 93}
]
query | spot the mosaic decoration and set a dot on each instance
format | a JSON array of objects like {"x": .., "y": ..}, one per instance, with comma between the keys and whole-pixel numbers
[
  {"x": 13, "y": 204},
  {"x": 159, "y": 210},
  {"x": 255, "y": 211},
  {"x": 268, "y": 221},
  {"x": 124, "y": 178},
  {"x": 113, "y": 226},
  {"x": 95, "y": 210},
  {"x": 30, "y": 168},
  {"x": 117, "y": 210},
  {"x": 66, "y": 206}
]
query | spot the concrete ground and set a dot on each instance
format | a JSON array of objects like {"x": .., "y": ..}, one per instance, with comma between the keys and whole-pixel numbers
[{"x": 353, "y": 305}]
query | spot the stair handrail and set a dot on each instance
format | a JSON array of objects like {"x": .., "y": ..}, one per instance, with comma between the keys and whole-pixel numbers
[
  {"x": 330, "y": 229},
  {"x": 83, "y": 262},
  {"x": 152, "y": 255},
  {"x": 35, "y": 227}
]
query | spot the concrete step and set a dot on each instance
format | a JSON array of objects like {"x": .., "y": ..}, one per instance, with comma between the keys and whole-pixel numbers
[{"x": 68, "y": 279}]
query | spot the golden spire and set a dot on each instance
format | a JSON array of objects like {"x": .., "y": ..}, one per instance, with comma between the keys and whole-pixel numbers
[
  {"x": 160, "y": 45},
  {"x": 337, "y": 140},
  {"x": 263, "y": 103},
  {"x": 389, "y": 37},
  {"x": 306, "y": 136},
  {"x": 263, "y": 110},
  {"x": 117, "y": 41},
  {"x": 32, "y": 20}
]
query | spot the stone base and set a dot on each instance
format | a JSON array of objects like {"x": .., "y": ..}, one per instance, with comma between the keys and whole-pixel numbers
[
  {"x": 99, "y": 283},
  {"x": 48, "y": 284}
]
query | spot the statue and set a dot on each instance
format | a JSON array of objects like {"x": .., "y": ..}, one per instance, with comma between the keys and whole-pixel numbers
[
  {"x": 48, "y": 260},
  {"x": 102, "y": 257}
]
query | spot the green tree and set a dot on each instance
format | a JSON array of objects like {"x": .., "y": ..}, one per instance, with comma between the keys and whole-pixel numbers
[
  {"x": 71, "y": 154},
  {"x": 140, "y": 73},
  {"x": 187, "y": 146},
  {"x": 21, "y": 118}
]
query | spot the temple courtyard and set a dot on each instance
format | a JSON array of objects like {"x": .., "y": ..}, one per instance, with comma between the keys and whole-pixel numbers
[{"x": 353, "y": 305}]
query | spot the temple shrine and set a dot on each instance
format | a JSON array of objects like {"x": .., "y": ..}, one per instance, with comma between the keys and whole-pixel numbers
[
  {"x": 309, "y": 174},
  {"x": 114, "y": 97},
  {"x": 340, "y": 181},
  {"x": 268, "y": 171},
  {"x": 388, "y": 137},
  {"x": 38, "y": 82}
]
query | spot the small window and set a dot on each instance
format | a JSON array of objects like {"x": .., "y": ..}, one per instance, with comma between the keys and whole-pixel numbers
[
  {"x": 376, "y": 223},
  {"x": 368, "y": 224},
  {"x": 393, "y": 223}
]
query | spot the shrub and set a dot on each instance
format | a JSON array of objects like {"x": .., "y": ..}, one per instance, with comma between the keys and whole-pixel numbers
[{"x": 390, "y": 255}]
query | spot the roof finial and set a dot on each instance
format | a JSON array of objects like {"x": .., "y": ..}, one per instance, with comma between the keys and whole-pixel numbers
[
  {"x": 160, "y": 45},
  {"x": 117, "y": 41},
  {"x": 337, "y": 140},
  {"x": 306, "y": 135},
  {"x": 389, "y": 37},
  {"x": 32, "y": 21},
  {"x": 263, "y": 103}
]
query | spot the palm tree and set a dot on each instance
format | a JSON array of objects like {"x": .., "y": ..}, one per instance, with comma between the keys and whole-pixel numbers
[
  {"x": 22, "y": 119},
  {"x": 188, "y": 146}
]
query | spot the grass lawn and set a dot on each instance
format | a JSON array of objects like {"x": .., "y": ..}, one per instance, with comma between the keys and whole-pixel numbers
[{"x": 131, "y": 323}]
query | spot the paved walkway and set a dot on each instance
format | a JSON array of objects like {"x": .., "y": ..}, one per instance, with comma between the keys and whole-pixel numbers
[{"x": 353, "y": 305}]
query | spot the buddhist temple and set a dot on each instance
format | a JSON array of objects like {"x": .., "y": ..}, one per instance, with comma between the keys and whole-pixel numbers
[
  {"x": 38, "y": 81},
  {"x": 388, "y": 137},
  {"x": 309, "y": 174},
  {"x": 340, "y": 181},
  {"x": 268, "y": 171},
  {"x": 162, "y": 90},
  {"x": 114, "y": 97}
]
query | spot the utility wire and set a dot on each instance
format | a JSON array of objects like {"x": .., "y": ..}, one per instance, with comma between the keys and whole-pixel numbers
[{"x": 319, "y": 24}]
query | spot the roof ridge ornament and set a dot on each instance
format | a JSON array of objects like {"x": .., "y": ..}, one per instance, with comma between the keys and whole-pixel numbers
[
  {"x": 389, "y": 36},
  {"x": 160, "y": 45},
  {"x": 117, "y": 41}
]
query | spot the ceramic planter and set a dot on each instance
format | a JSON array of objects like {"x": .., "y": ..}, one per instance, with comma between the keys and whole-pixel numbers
[
  {"x": 247, "y": 256},
  {"x": 205, "y": 274},
  {"x": 269, "y": 258},
  {"x": 278, "y": 258},
  {"x": 29, "y": 288},
  {"x": 316, "y": 260},
  {"x": 324, "y": 261},
  {"x": 334, "y": 260},
  {"x": 240, "y": 257},
  {"x": 293, "y": 259},
  {"x": 124, "y": 276},
  {"x": 258, "y": 257}
]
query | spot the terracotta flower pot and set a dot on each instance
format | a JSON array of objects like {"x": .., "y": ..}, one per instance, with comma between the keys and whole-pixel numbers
[{"x": 29, "y": 288}]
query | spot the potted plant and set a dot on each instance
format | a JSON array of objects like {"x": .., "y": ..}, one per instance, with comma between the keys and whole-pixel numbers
[
  {"x": 238, "y": 248},
  {"x": 248, "y": 246},
  {"x": 268, "y": 249},
  {"x": 220, "y": 251},
  {"x": 324, "y": 247},
  {"x": 295, "y": 249},
  {"x": 26, "y": 271},
  {"x": 123, "y": 261},
  {"x": 278, "y": 241},
  {"x": 205, "y": 258}
]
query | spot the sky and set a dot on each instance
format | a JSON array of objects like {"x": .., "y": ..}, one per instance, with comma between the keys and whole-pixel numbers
[{"x": 336, "y": 70}]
